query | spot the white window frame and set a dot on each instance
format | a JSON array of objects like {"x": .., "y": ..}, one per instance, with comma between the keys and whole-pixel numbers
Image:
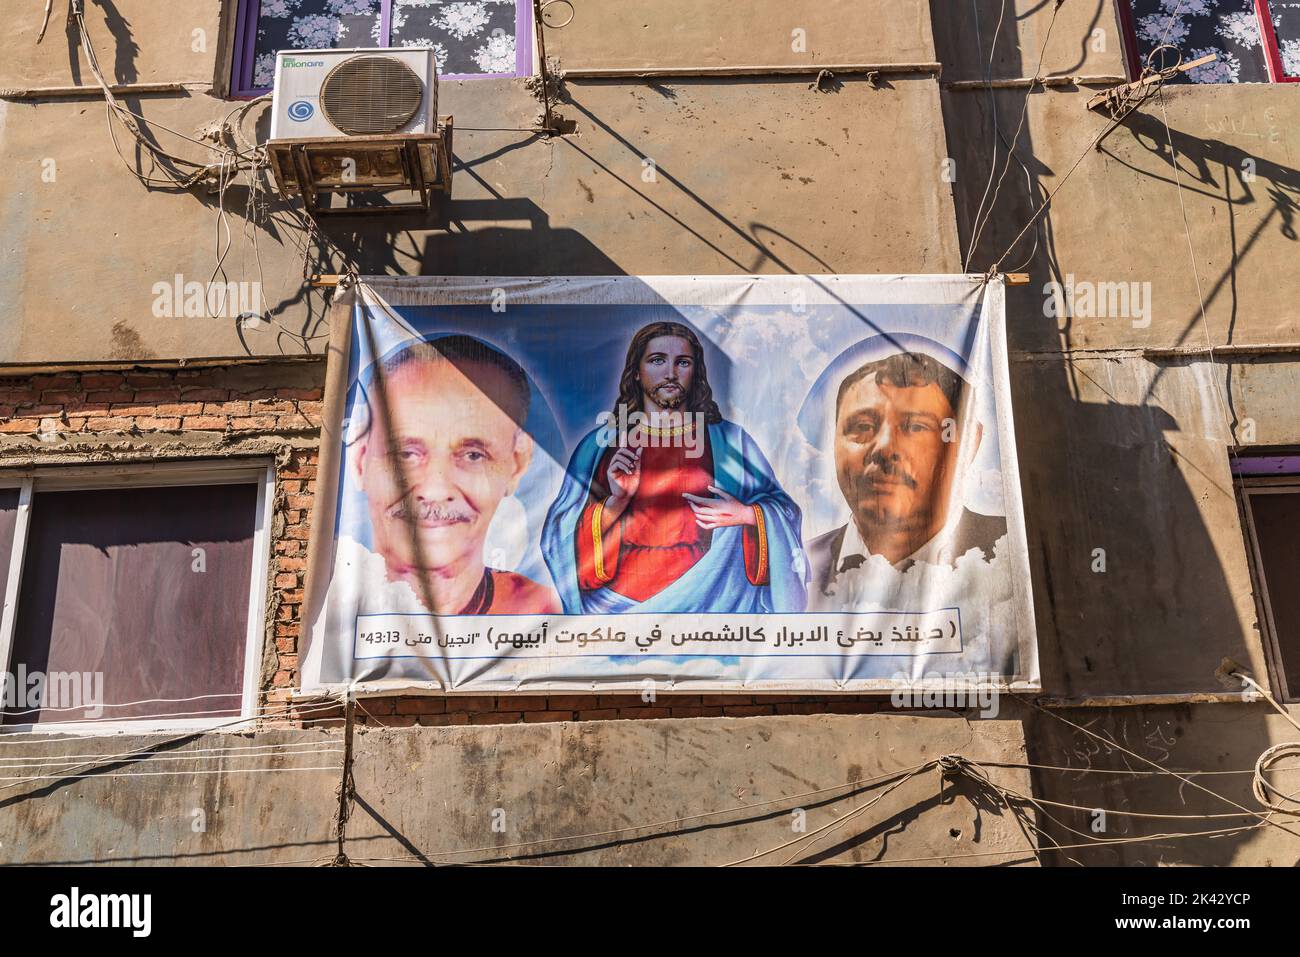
[
  {"x": 1252, "y": 485},
  {"x": 259, "y": 472}
]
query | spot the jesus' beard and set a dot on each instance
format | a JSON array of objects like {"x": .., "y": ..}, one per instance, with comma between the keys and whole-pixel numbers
[{"x": 667, "y": 398}]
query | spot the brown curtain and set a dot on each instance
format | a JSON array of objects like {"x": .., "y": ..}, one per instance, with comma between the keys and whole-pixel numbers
[
  {"x": 1277, "y": 529},
  {"x": 148, "y": 586}
]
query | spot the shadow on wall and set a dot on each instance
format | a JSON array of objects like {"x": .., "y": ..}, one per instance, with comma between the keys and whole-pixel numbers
[
  {"x": 1119, "y": 763},
  {"x": 1093, "y": 474},
  {"x": 1102, "y": 475},
  {"x": 445, "y": 241},
  {"x": 520, "y": 242},
  {"x": 1231, "y": 175},
  {"x": 281, "y": 222},
  {"x": 125, "y": 49},
  {"x": 491, "y": 234}
]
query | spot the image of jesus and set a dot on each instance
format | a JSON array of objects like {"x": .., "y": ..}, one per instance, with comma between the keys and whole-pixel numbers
[{"x": 678, "y": 511}]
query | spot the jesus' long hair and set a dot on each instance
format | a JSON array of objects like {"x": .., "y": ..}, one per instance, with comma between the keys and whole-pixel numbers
[{"x": 699, "y": 398}]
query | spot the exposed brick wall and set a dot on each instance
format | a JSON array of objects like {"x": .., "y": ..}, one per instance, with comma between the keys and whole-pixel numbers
[
  {"x": 295, "y": 486},
  {"x": 143, "y": 401},
  {"x": 151, "y": 415},
  {"x": 405, "y": 712},
  {"x": 275, "y": 409}
]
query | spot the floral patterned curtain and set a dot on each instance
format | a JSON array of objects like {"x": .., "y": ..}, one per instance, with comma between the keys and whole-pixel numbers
[
  {"x": 1229, "y": 28},
  {"x": 312, "y": 25},
  {"x": 476, "y": 37},
  {"x": 1286, "y": 24},
  {"x": 468, "y": 36}
]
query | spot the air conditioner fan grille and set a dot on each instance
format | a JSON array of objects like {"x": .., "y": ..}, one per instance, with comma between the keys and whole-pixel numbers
[{"x": 371, "y": 94}]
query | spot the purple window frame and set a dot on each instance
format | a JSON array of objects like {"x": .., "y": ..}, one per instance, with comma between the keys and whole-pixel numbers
[
  {"x": 1266, "y": 465},
  {"x": 246, "y": 46},
  {"x": 1268, "y": 32}
]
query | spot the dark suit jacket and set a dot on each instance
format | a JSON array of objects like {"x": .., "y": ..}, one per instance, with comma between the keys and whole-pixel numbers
[{"x": 973, "y": 531}]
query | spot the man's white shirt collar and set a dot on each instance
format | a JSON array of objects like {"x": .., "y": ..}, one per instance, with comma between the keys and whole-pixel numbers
[{"x": 937, "y": 551}]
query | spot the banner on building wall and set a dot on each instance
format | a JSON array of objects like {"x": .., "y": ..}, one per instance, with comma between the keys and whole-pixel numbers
[{"x": 746, "y": 483}]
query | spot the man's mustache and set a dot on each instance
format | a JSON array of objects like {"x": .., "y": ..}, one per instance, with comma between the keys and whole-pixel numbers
[
  {"x": 668, "y": 394},
  {"x": 879, "y": 465},
  {"x": 419, "y": 510}
]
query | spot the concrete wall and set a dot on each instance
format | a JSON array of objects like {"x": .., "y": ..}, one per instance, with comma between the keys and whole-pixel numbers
[
  {"x": 974, "y": 46},
  {"x": 425, "y": 793},
  {"x": 635, "y": 34},
  {"x": 1124, "y": 447},
  {"x": 137, "y": 41},
  {"x": 766, "y": 176},
  {"x": 1121, "y": 760},
  {"x": 1124, "y": 429}
]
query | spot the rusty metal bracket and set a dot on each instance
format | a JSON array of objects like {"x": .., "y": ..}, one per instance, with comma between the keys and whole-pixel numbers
[{"x": 319, "y": 168}]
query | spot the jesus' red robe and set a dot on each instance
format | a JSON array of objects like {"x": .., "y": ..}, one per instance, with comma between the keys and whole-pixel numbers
[{"x": 656, "y": 540}]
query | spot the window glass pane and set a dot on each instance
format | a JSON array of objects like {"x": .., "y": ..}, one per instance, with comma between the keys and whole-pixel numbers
[
  {"x": 467, "y": 37},
  {"x": 147, "y": 587},
  {"x": 1286, "y": 24},
  {"x": 1229, "y": 28},
  {"x": 312, "y": 25},
  {"x": 1277, "y": 529}
]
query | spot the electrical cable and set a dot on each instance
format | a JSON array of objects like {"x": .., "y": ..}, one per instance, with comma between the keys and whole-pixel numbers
[
  {"x": 128, "y": 704},
  {"x": 1200, "y": 787},
  {"x": 1007, "y": 794},
  {"x": 972, "y": 769},
  {"x": 853, "y": 813},
  {"x": 821, "y": 833},
  {"x": 133, "y": 759},
  {"x": 993, "y": 111},
  {"x": 1060, "y": 847},
  {"x": 674, "y": 822},
  {"x": 1024, "y": 113},
  {"x": 1128, "y": 771},
  {"x": 152, "y": 746},
  {"x": 241, "y": 157},
  {"x": 976, "y": 773},
  {"x": 1121, "y": 108},
  {"x": 1265, "y": 793},
  {"x": 159, "y": 156},
  {"x": 50, "y": 726},
  {"x": 154, "y": 774},
  {"x": 45, "y": 732},
  {"x": 197, "y": 754}
]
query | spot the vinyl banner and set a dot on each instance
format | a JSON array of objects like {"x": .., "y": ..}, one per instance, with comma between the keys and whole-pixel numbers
[{"x": 802, "y": 483}]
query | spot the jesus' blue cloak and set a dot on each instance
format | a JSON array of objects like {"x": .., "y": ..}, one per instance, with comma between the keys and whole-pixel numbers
[{"x": 717, "y": 582}]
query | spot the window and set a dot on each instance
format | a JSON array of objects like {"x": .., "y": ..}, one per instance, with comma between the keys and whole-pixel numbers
[
  {"x": 134, "y": 598},
  {"x": 1270, "y": 499},
  {"x": 471, "y": 38},
  {"x": 1257, "y": 41}
]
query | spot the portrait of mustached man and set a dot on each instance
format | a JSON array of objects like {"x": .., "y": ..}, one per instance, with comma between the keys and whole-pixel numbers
[
  {"x": 445, "y": 446},
  {"x": 903, "y": 428}
]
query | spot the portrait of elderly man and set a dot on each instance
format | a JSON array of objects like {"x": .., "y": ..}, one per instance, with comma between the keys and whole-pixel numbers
[
  {"x": 904, "y": 433},
  {"x": 444, "y": 447}
]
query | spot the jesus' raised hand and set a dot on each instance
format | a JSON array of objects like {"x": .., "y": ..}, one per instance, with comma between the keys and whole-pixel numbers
[
  {"x": 723, "y": 510},
  {"x": 624, "y": 475}
]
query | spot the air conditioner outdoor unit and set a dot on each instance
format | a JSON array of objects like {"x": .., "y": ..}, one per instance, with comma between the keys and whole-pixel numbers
[
  {"x": 354, "y": 92},
  {"x": 357, "y": 121}
]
